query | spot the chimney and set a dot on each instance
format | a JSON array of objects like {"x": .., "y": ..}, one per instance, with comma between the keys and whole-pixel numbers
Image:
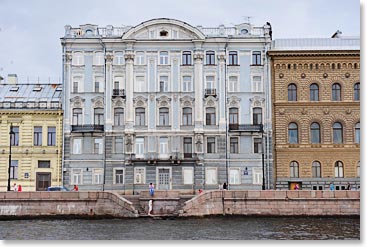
[{"x": 12, "y": 79}]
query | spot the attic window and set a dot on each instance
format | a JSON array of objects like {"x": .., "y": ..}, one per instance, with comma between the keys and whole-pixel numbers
[
  {"x": 37, "y": 88},
  {"x": 89, "y": 32},
  {"x": 14, "y": 89},
  {"x": 244, "y": 31},
  {"x": 163, "y": 33}
]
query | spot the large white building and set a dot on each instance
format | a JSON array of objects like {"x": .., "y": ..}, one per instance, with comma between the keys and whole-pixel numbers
[{"x": 164, "y": 102}]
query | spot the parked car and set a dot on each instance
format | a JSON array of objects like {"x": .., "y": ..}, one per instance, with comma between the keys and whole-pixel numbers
[{"x": 57, "y": 188}]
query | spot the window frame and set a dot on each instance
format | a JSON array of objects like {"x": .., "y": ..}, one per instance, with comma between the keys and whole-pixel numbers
[
  {"x": 186, "y": 58},
  {"x": 293, "y": 132},
  {"x": 233, "y": 58},
  {"x": 51, "y": 136},
  {"x": 314, "y": 92},
  {"x": 292, "y": 92},
  {"x": 210, "y": 57},
  {"x": 256, "y": 58},
  {"x": 336, "y": 94},
  {"x": 294, "y": 169}
]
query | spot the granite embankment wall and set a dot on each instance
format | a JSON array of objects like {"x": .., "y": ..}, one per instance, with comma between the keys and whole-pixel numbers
[
  {"x": 274, "y": 203},
  {"x": 80, "y": 204}
]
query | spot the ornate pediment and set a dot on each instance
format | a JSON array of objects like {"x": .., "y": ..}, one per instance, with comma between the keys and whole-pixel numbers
[
  {"x": 257, "y": 101},
  {"x": 97, "y": 102},
  {"x": 140, "y": 101},
  {"x": 187, "y": 101},
  {"x": 77, "y": 102},
  {"x": 118, "y": 102},
  {"x": 163, "y": 101},
  {"x": 233, "y": 101}
]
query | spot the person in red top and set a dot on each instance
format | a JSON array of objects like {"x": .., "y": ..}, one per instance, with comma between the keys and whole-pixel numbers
[
  {"x": 19, "y": 187},
  {"x": 75, "y": 188}
]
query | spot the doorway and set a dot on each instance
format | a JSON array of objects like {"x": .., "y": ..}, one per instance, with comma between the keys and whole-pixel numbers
[
  {"x": 43, "y": 180},
  {"x": 164, "y": 179}
]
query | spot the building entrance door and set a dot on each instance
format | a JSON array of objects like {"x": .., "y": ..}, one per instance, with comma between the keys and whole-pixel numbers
[
  {"x": 164, "y": 179},
  {"x": 43, "y": 180}
]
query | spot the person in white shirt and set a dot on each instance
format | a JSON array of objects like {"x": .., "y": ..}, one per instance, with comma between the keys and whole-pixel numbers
[{"x": 15, "y": 188}]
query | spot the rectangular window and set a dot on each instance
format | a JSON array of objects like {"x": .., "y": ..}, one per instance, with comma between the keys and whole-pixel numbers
[
  {"x": 75, "y": 86},
  {"x": 14, "y": 169},
  {"x": 187, "y": 147},
  {"x": 119, "y": 145},
  {"x": 186, "y": 58},
  {"x": 163, "y": 57},
  {"x": 140, "y": 116},
  {"x": 119, "y": 176},
  {"x": 186, "y": 84},
  {"x": 77, "y": 116},
  {"x": 209, "y": 82},
  {"x": 257, "y": 175},
  {"x": 210, "y": 58},
  {"x": 164, "y": 116},
  {"x": 119, "y": 58},
  {"x": 97, "y": 175},
  {"x": 257, "y": 145},
  {"x": 14, "y": 138},
  {"x": 140, "y": 58},
  {"x": 98, "y": 146},
  {"x": 139, "y": 147},
  {"x": 234, "y": 145},
  {"x": 210, "y": 147},
  {"x": 188, "y": 175},
  {"x": 51, "y": 136},
  {"x": 211, "y": 176},
  {"x": 98, "y": 84},
  {"x": 233, "y": 58},
  {"x": 76, "y": 176},
  {"x": 44, "y": 164},
  {"x": 163, "y": 84},
  {"x": 256, "y": 84},
  {"x": 256, "y": 58},
  {"x": 139, "y": 85},
  {"x": 187, "y": 116},
  {"x": 98, "y": 58},
  {"x": 163, "y": 146},
  {"x": 78, "y": 58},
  {"x": 210, "y": 116},
  {"x": 118, "y": 116},
  {"x": 77, "y": 146},
  {"x": 139, "y": 175},
  {"x": 232, "y": 85},
  {"x": 234, "y": 176},
  {"x": 37, "y": 136},
  {"x": 98, "y": 116}
]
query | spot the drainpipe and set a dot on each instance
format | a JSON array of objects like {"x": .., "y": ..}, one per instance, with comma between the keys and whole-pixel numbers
[
  {"x": 226, "y": 111},
  {"x": 63, "y": 105}
]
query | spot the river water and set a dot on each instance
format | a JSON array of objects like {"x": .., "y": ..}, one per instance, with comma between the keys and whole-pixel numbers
[{"x": 210, "y": 228}]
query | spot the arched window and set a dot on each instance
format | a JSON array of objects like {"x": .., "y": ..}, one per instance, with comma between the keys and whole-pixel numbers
[
  {"x": 316, "y": 169},
  {"x": 315, "y": 133},
  {"x": 187, "y": 116},
  {"x": 257, "y": 116},
  {"x": 356, "y": 92},
  {"x": 210, "y": 116},
  {"x": 337, "y": 133},
  {"x": 339, "y": 170},
  {"x": 294, "y": 169},
  {"x": 118, "y": 116},
  {"x": 140, "y": 116},
  {"x": 314, "y": 92},
  {"x": 233, "y": 116},
  {"x": 357, "y": 133},
  {"x": 163, "y": 116},
  {"x": 292, "y": 92},
  {"x": 292, "y": 133},
  {"x": 336, "y": 92}
]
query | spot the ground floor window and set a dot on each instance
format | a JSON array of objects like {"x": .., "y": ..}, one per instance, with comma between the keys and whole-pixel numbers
[
  {"x": 188, "y": 175},
  {"x": 118, "y": 176},
  {"x": 211, "y": 176},
  {"x": 76, "y": 176},
  {"x": 97, "y": 176},
  {"x": 257, "y": 175},
  {"x": 234, "y": 176},
  {"x": 139, "y": 175}
]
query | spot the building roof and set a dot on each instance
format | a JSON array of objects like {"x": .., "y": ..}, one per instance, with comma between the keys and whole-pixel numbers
[
  {"x": 343, "y": 43},
  {"x": 33, "y": 96}
]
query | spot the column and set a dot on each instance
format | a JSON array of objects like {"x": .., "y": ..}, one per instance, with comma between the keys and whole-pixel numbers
[
  {"x": 108, "y": 87},
  {"x": 222, "y": 90},
  {"x": 129, "y": 61},
  {"x": 198, "y": 81}
]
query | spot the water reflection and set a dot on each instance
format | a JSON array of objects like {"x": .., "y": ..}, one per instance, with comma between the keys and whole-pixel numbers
[{"x": 212, "y": 228}]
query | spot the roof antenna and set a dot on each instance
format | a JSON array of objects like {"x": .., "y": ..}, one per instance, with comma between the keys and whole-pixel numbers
[{"x": 247, "y": 19}]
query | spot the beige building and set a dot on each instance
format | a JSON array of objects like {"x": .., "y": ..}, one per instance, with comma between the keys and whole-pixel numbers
[
  {"x": 35, "y": 114},
  {"x": 316, "y": 112}
]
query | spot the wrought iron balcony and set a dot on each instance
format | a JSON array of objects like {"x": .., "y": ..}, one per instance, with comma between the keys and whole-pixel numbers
[
  {"x": 210, "y": 92},
  {"x": 87, "y": 128},
  {"x": 246, "y": 127},
  {"x": 119, "y": 93}
]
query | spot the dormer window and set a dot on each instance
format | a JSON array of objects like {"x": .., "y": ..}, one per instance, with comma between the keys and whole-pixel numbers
[{"x": 163, "y": 33}]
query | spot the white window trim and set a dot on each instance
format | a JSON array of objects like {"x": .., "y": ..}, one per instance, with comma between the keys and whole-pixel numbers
[
  {"x": 252, "y": 113},
  {"x": 72, "y": 176},
  {"x": 238, "y": 169},
  {"x": 168, "y": 82},
  {"x": 114, "y": 175},
  {"x": 206, "y": 173},
  {"x": 144, "y": 175},
  {"x": 253, "y": 89},
  {"x": 95, "y": 171},
  {"x": 253, "y": 144},
  {"x": 139, "y": 155},
  {"x": 80, "y": 60},
  {"x": 138, "y": 61},
  {"x": 80, "y": 79},
  {"x": 98, "y": 60},
  {"x": 168, "y": 58},
  {"x": 182, "y": 82},
  {"x": 81, "y": 145},
  {"x": 261, "y": 56},
  {"x": 236, "y": 89},
  {"x": 120, "y": 61},
  {"x": 214, "y": 86},
  {"x": 257, "y": 171},
  {"x": 183, "y": 175},
  {"x": 144, "y": 89}
]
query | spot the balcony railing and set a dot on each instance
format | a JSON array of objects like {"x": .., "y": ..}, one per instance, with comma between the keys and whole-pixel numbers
[
  {"x": 118, "y": 92},
  {"x": 246, "y": 127},
  {"x": 87, "y": 128},
  {"x": 210, "y": 92}
]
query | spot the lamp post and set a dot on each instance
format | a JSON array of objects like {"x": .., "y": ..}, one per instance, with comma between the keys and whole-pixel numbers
[{"x": 11, "y": 132}]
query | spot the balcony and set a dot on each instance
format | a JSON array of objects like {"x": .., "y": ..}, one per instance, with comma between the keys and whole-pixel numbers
[
  {"x": 118, "y": 93},
  {"x": 246, "y": 127},
  {"x": 87, "y": 128},
  {"x": 210, "y": 92}
]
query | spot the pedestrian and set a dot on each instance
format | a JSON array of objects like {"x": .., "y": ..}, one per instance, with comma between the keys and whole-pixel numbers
[
  {"x": 151, "y": 189},
  {"x": 150, "y": 207},
  {"x": 349, "y": 187},
  {"x": 15, "y": 187},
  {"x": 200, "y": 191},
  {"x": 19, "y": 188},
  {"x": 332, "y": 187},
  {"x": 296, "y": 187},
  {"x": 225, "y": 186},
  {"x": 76, "y": 188}
]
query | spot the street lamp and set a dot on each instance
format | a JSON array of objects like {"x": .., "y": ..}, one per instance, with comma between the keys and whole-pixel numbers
[{"x": 11, "y": 132}]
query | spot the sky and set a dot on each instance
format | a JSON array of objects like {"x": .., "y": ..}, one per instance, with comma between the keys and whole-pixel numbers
[{"x": 30, "y": 30}]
